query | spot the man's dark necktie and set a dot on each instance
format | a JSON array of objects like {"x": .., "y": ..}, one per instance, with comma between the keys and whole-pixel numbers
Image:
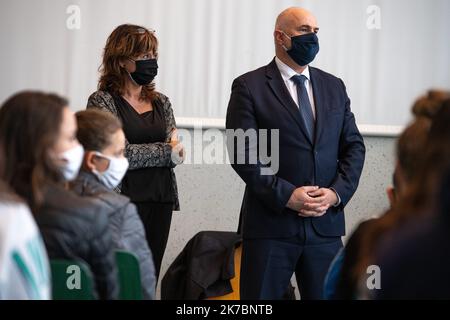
[{"x": 305, "y": 105}]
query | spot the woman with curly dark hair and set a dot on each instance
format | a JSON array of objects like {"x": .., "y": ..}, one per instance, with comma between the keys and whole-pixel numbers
[{"x": 126, "y": 89}]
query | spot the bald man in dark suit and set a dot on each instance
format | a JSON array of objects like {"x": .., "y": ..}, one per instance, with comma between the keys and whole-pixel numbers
[{"x": 293, "y": 219}]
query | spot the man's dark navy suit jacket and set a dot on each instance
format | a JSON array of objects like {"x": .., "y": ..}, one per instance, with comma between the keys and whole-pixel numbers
[{"x": 260, "y": 100}]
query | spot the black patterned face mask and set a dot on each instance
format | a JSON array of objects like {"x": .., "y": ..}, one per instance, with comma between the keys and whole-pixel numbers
[{"x": 146, "y": 71}]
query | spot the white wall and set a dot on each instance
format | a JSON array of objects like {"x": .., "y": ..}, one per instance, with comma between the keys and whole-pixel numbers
[{"x": 204, "y": 44}]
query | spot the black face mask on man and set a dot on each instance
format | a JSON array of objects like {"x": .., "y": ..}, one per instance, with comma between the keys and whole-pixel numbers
[
  {"x": 146, "y": 71},
  {"x": 304, "y": 48}
]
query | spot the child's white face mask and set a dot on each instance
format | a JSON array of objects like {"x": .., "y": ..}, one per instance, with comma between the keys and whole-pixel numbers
[
  {"x": 112, "y": 176},
  {"x": 73, "y": 158}
]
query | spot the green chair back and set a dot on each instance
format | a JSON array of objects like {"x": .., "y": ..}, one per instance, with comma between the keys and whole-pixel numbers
[
  {"x": 71, "y": 280},
  {"x": 129, "y": 276}
]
